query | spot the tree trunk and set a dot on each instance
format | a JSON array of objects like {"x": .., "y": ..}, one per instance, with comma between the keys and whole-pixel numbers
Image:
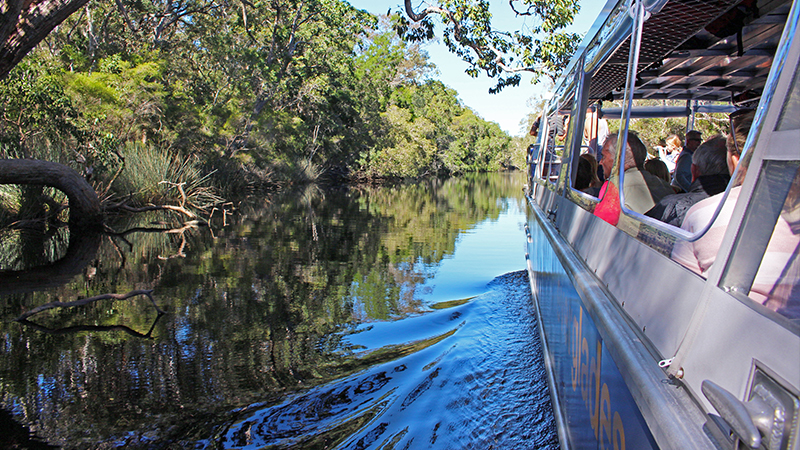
[
  {"x": 84, "y": 205},
  {"x": 24, "y": 23}
]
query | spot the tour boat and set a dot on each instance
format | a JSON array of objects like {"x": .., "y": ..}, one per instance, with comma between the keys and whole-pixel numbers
[{"x": 643, "y": 349}]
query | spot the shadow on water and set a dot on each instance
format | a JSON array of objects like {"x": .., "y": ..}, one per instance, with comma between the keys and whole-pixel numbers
[{"x": 316, "y": 319}]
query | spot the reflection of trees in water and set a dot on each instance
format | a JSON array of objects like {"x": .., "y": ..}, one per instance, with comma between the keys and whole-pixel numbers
[
  {"x": 256, "y": 310},
  {"x": 23, "y": 248},
  {"x": 52, "y": 268}
]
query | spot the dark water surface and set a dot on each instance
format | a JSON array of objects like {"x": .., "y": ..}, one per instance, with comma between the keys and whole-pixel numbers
[{"x": 390, "y": 317}]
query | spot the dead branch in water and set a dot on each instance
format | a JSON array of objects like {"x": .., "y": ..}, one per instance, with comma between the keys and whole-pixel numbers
[
  {"x": 85, "y": 301},
  {"x": 179, "y": 209},
  {"x": 190, "y": 225},
  {"x": 181, "y": 231}
]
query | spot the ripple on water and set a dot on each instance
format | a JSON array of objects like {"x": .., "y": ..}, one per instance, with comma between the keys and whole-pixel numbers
[{"x": 471, "y": 376}]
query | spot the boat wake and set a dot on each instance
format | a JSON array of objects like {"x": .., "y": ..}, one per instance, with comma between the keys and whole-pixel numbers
[{"x": 467, "y": 374}]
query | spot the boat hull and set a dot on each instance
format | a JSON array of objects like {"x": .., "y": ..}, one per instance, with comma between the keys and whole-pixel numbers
[{"x": 607, "y": 388}]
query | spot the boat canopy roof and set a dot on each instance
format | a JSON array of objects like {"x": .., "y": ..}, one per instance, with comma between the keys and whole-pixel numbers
[{"x": 691, "y": 50}]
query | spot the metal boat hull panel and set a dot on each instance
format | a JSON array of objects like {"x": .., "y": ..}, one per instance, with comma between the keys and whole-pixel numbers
[
  {"x": 705, "y": 361},
  {"x": 596, "y": 404},
  {"x": 585, "y": 328}
]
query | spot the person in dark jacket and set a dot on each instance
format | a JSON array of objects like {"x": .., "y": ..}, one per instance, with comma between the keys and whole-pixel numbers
[
  {"x": 683, "y": 176},
  {"x": 709, "y": 177}
]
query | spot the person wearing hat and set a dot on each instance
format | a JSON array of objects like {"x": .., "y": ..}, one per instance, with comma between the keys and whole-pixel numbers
[{"x": 683, "y": 165}]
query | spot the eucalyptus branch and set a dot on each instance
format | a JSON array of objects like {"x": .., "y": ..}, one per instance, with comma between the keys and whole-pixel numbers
[
  {"x": 519, "y": 13},
  {"x": 542, "y": 51},
  {"x": 417, "y": 17},
  {"x": 246, "y": 26},
  {"x": 121, "y": 8}
]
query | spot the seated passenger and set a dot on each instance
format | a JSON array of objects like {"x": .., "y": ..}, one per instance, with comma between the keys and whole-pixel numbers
[
  {"x": 777, "y": 283},
  {"x": 658, "y": 168},
  {"x": 709, "y": 177},
  {"x": 682, "y": 177},
  {"x": 700, "y": 254},
  {"x": 670, "y": 152},
  {"x": 586, "y": 179},
  {"x": 641, "y": 190}
]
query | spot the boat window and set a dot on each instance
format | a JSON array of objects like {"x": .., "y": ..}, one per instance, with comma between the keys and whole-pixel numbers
[
  {"x": 587, "y": 174},
  {"x": 657, "y": 140},
  {"x": 705, "y": 221},
  {"x": 554, "y": 146},
  {"x": 765, "y": 260}
]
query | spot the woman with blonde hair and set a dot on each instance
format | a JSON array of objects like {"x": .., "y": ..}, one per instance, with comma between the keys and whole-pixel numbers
[{"x": 669, "y": 153}]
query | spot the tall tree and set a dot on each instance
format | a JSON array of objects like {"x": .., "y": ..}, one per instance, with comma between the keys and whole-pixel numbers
[{"x": 542, "y": 50}]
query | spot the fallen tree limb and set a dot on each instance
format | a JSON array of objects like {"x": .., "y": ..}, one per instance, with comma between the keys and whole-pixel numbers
[
  {"x": 179, "y": 209},
  {"x": 85, "y": 301}
]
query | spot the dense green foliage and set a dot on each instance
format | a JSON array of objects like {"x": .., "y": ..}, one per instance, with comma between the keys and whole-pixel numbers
[{"x": 250, "y": 95}]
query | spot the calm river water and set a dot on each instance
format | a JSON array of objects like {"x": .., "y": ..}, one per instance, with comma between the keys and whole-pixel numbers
[{"x": 387, "y": 317}]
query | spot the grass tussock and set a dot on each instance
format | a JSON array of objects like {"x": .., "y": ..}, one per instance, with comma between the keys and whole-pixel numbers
[
  {"x": 157, "y": 176},
  {"x": 299, "y": 172},
  {"x": 309, "y": 172}
]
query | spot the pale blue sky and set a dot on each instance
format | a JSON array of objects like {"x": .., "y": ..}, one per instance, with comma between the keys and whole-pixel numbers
[{"x": 509, "y": 107}]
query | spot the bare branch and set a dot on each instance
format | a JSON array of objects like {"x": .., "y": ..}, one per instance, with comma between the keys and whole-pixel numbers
[
  {"x": 416, "y": 17},
  {"x": 179, "y": 209}
]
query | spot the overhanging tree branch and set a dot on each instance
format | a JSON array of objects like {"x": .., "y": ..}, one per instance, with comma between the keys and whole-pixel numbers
[
  {"x": 502, "y": 55},
  {"x": 83, "y": 201}
]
